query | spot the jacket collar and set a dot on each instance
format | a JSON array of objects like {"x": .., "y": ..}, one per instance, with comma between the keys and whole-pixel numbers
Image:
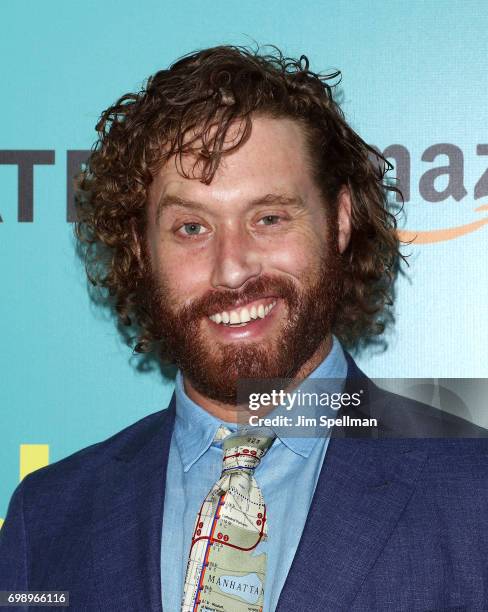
[
  {"x": 363, "y": 487},
  {"x": 127, "y": 520}
]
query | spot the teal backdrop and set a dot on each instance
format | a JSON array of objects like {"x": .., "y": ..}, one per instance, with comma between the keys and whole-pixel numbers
[{"x": 414, "y": 76}]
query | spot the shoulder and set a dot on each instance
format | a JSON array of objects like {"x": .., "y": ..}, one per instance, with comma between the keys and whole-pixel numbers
[
  {"x": 75, "y": 473},
  {"x": 399, "y": 416},
  {"x": 402, "y": 416}
]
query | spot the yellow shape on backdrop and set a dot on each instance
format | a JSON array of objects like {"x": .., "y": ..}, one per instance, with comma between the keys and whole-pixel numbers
[{"x": 33, "y": 457}]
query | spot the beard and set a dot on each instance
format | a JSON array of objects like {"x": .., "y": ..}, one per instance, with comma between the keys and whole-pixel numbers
[{"x": 215, "y": 368}]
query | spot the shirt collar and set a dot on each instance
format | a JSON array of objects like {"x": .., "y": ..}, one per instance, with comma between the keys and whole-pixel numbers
[{"x": 195, "y": 428}]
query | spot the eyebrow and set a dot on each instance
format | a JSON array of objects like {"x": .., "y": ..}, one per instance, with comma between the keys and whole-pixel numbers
[{"x": 169, "y": 201}]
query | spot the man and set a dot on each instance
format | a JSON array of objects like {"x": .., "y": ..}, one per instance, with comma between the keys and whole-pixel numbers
[{"x": 241, "y": 226}]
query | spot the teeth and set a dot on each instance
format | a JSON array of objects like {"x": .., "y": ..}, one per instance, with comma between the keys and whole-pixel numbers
[{"x": 243, "y": 316}]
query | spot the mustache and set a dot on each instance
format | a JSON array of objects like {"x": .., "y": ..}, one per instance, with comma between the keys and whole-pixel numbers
[{"x": 217, "y": 301}]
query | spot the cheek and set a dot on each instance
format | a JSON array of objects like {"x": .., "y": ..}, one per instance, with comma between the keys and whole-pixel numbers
[
  {"x": 296, "y": 257},
  {"x": 186, "y": 277}
]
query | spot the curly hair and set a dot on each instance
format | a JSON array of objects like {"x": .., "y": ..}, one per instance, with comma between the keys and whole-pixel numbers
[{"x": 188, "y": 108}]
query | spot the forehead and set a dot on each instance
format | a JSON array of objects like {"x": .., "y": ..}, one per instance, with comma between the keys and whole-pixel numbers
[{"x": 273, "y": 160}]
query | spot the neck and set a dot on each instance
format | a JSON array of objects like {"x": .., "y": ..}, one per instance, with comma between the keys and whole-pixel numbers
[{"x": 230, "y": 412}]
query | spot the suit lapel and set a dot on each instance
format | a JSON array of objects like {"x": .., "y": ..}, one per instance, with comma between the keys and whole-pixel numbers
[
  {"x": 127, "y": 521},
  {"x": 363, "y": 487}
]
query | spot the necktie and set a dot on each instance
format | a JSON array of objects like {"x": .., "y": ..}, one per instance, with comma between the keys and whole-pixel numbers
[{"x": 227, "y": 562}]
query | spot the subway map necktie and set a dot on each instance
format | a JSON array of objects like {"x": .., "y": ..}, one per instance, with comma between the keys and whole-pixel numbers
[{"x": 227, "y": 562}]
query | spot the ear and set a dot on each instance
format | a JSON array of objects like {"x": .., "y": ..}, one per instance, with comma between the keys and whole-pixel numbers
[{"x": 344, "y": 207}]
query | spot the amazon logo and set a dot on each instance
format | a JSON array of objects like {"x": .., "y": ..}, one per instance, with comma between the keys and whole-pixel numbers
[{"x": 451, "y": 174}]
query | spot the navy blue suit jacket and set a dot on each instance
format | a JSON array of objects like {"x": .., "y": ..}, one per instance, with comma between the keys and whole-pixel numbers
[{"x": 397, "y": 524}]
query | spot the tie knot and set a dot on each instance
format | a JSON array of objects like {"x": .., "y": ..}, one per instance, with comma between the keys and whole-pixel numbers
[{"x": 244, "y": 451}]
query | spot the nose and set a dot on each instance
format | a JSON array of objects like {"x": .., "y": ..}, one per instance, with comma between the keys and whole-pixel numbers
[{"x": 235, "y": 259}]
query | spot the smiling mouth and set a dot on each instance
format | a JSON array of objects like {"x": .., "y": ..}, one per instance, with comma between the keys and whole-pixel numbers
[{"x": 240, "y": 317}]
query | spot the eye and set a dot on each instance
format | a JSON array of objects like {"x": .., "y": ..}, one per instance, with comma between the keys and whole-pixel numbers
[
  {"x": 191, "y": 229},
  {"x": 270, "y": 219}
]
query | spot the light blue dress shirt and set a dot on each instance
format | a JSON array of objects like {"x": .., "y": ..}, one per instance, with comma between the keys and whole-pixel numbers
[{"x": 287, "y": 477}]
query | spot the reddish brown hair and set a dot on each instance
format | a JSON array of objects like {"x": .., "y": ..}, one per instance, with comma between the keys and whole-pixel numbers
[{"x": 189, "y": 108}]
